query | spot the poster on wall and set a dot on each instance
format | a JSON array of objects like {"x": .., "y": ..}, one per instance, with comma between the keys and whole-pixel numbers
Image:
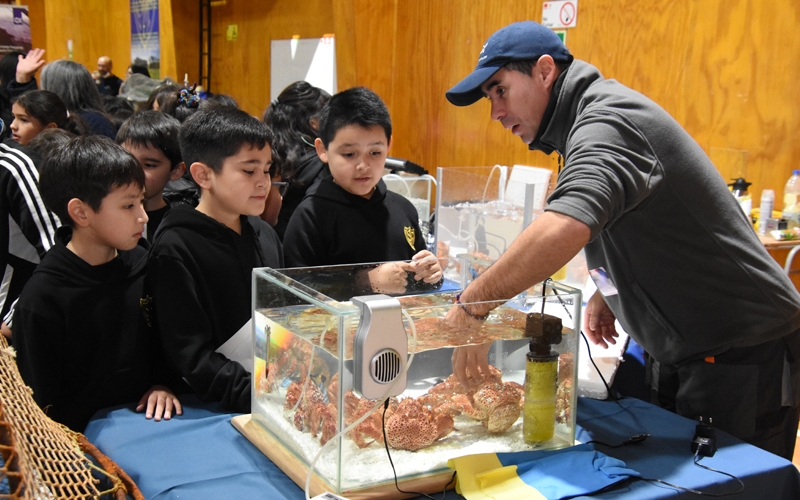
[
  {"x": 15, "y": 29},
  {"x": 309, "y": 59},
  {"x": 145, "y": 43}
]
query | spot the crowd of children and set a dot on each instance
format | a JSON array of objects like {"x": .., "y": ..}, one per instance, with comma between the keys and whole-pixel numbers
[{"x": 150, "y": 270}]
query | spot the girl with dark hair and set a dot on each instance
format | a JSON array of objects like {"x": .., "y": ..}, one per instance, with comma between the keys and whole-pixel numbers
[
  {"x": 38, "y": 110},
  {"x": 160, "y": 94},
  {"x": 293, "y": 118}
]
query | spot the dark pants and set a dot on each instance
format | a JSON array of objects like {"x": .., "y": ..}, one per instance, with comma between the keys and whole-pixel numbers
[{"x": 740, "y": 390}]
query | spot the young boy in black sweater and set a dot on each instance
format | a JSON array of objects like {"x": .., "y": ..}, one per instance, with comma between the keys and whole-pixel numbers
[
  {"x": 350, "y": 217},
  {"x": 152, "y": 138},
  {"x": 200, "y": 267},
  {"x": 81, "y": 334}
]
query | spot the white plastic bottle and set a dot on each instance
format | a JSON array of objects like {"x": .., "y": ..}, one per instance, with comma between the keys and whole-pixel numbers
[
  {"x": 791, "y": 200},
  {"x": 765, "y": 211}
]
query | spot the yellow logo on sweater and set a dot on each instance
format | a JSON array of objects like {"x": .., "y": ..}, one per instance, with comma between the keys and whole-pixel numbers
[{"x": 410, "y": 236}]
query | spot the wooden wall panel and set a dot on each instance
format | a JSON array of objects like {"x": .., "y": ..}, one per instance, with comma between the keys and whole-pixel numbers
[
  {"x": 166, "y": 39},
  {"x": 38, "y": 20},
  {"x": 344, "y": 29},
  {"x": 241, "y": 68},
  {"x": 185, "y": 39},
  {"x": 436, "y": 43},
  {"x": 102, "y": 27},
  {"x": 723, "y": 68},
  {"x": 96, "y": 28},
  {"x": 375, "y": 40}
]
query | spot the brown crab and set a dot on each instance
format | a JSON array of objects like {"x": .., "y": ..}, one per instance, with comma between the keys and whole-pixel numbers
[
  {"x": 412, "y": 426},
  {"x": 495, "y": 403},
  {"x": 312, "y": 413}
]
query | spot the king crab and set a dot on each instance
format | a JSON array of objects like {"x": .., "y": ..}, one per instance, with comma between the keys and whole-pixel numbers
[
  {"x": 412, "y": 426},
  {"x": 313, "y": 413},
  {"x": 495, "y": 403},
  {"x": 355, "y": 408}
]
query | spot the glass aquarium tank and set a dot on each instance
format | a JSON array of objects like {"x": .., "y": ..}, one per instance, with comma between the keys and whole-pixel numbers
[
  {"x": 419, "y": 190},
  {"x": 481, "y": 210},
  {"x": 332, "y": 343}
]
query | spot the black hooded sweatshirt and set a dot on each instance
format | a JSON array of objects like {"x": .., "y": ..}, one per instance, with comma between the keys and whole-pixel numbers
[
  {"x": 309, "y": 169},
  {"x": 332, "y": 226},
  {"x": 81, "y": 334},
  {"x": 199, "y": 277}
]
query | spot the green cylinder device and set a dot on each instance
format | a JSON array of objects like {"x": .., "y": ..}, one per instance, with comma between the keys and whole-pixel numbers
[{"x": 541, "y": 378}]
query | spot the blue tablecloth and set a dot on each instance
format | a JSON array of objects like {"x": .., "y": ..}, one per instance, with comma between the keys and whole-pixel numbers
[{"x": 201, "y": 455}]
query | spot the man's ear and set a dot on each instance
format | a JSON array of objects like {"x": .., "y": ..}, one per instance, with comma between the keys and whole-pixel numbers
[
  {"x": 321, "y": 151},
  {"x": 77, "y": 210},
  {"x": 202, "y": 174},
  {"x": 547, "y": 70},
  {"x": 177, "y": 172}
]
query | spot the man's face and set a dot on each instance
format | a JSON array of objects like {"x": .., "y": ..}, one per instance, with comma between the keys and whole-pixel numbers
[
  {"x": 104, "y": 65},
  {"x": 518, "y": 100}
]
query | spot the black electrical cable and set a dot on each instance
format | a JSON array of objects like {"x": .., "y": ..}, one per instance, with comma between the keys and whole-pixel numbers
[
  {"x": 641, "y": 437},
  {"x": 636, "y": 439},
  {"x": 588, "y": 349},
  {"x": 394, "y": 472},
  {"x": 697, "y": 459},
  {"x": 611, "y": 395}
]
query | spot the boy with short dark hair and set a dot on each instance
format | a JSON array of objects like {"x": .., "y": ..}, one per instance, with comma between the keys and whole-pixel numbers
[
  {"x": 49, "y": 140},
  {"x": 152, "y": 138},
  {"x": 80, "y": 331},
  {"x": 200, "y": 267},
  {"x": 350, "y": 217}
]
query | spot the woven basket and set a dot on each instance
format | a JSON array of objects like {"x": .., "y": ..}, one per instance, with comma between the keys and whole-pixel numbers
[{"x": 44, "y": 459}]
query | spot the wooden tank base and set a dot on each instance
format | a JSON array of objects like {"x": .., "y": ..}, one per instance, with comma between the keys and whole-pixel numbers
[{"x": 298, "y": 471}]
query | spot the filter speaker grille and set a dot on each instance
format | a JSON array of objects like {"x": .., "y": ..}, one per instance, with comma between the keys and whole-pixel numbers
[{"x": 385, "y": 366}]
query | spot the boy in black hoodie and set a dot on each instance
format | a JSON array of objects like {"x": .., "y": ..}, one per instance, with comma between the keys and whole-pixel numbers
[
  {"x": 80, "y": 331},
  {"x": 199, "y": 272},
  {"x": 152, "y": 138},
  {"x": 349, "y": 217}
]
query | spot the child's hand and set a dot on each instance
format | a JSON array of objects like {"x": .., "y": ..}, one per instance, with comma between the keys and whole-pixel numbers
[
  {"x": 28, "y": 65},
  {"x": 160, "y": 402},
  {"x": 389, "y": 278},
  {"x": 426, "y": 267}
]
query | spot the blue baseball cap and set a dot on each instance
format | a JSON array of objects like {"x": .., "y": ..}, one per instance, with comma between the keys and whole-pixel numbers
[{"x": 517, "y": 41}]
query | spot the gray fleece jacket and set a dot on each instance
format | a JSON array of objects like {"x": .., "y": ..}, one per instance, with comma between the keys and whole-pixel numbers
[{"x": 693, "y": 277}]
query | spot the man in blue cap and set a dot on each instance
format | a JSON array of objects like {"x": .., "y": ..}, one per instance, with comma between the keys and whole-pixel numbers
[{"x": 688, "y": 278}]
